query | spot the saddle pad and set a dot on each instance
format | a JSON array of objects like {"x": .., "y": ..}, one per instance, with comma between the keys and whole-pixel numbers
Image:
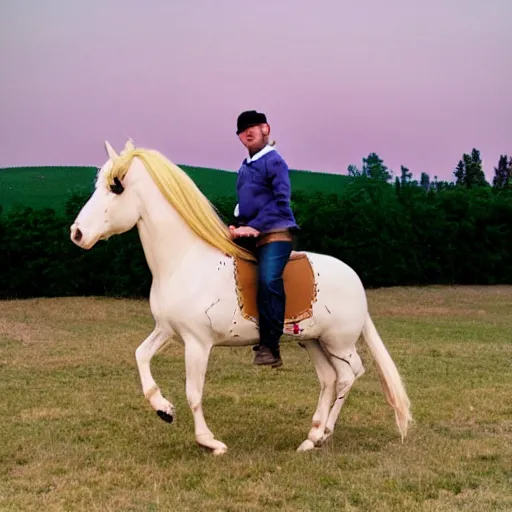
[{"x": 299, "y": 286}]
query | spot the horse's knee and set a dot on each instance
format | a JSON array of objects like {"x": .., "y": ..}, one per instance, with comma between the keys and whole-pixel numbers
[
  {"x": 194, "y": 406},
  {"x": 193, "y": 399}
]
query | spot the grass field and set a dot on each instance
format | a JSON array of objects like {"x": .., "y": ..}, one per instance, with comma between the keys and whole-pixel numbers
[
  {"x": 51, "y": 186},
  {"x": 76, "y": 433}
]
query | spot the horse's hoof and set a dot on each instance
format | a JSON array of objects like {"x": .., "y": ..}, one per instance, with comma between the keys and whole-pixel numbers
[
  {"x": 166, "y": 417},
  {"x": 221, "y": 450},
  {"x": 306, "y": 446}
]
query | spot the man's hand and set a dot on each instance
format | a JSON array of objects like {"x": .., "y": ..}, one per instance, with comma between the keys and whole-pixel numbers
[{"x": 243, "y": 231}]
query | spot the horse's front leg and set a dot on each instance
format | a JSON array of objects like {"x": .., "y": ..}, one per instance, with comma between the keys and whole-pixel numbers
[
  {"x": 196, "y": 362},
  {"x": 145, "y": 351}
]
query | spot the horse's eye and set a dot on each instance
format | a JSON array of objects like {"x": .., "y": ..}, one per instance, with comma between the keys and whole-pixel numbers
[{"x": 117, "y": 187}]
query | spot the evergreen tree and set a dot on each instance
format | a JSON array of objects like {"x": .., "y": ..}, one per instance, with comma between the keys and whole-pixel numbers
[
  {"x": 373, "y": 167},
  {"x": 425, "y": 181},
  {"x": 437, "y": 185},
  {"x": 406, "y": 175},
  {"x": 474, "y": 172},
  {"x": 469, "y": 172},
  {"x": 460, "y": 173},
  {"x": 503, "y": 173},
  {"x": 353, "y": 171}
]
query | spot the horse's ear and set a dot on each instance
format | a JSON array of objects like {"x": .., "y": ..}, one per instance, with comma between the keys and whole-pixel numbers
[
  {"x": 129, "y": 146},
  {"x": 110, "y": 151}
]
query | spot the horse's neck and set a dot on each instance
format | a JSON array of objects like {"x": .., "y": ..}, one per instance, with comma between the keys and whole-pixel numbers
[{"x": 167, "y": 240}]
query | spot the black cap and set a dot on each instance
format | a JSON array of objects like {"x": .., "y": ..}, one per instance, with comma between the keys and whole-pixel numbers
[{"x": 249, "y": 118}]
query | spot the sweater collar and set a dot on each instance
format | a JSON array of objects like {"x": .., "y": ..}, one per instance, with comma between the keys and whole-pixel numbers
[{"x": 259, "y": 154}]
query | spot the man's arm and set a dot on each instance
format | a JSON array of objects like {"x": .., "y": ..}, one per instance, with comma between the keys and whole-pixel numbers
[{"x": 278, "y": 173}]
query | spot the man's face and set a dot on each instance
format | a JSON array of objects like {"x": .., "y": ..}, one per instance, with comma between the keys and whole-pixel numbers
[{"x": 254, "y": 138}]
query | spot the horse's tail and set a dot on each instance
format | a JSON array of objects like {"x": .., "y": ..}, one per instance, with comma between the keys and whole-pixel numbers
[{"x": 389, "y": 377}]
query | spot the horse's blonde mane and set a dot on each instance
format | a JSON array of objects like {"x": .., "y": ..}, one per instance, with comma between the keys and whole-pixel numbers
[{"x": 183, "y": 195}]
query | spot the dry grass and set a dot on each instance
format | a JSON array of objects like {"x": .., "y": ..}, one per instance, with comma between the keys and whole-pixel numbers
[{"x": 76, "y": 433}]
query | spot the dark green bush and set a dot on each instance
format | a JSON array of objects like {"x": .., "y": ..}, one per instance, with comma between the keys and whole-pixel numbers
[{"x": 391, "y": 235}]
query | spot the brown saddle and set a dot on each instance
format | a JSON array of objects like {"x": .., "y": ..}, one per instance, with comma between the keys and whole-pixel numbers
[{"x": 299, "y": 286}]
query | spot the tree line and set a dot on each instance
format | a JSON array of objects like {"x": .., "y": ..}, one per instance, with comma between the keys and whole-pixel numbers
[{"x": 391, "y": 231}]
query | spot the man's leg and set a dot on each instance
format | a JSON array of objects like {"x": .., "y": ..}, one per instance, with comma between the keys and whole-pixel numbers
[{"x": 272, "y": 259}]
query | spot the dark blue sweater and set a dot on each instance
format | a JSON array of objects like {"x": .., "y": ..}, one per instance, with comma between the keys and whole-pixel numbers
[{"x": 263, "y": 189}]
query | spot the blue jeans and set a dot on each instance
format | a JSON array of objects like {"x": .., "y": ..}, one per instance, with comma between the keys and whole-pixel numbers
[{"x": 272, "y": 258}]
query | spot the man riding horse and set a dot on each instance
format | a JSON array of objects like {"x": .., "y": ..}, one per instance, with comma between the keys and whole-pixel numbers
[{"x": 263, "y": 212}]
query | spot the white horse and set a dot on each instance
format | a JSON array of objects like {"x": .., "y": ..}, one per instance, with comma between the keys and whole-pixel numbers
[{"x": 194, "y": 296}]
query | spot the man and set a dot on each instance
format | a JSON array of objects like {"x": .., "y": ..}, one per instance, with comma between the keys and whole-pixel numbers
[{"x": 264, "y": 213}]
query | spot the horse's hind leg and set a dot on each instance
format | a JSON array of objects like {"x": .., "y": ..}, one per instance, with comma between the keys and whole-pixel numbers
[
  {"x": 327, "y": 377},
  {"x": 349, "y": 367}
]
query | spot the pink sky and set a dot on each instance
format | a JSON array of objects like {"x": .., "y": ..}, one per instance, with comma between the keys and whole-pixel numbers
[{"x": 338, "y": 79}]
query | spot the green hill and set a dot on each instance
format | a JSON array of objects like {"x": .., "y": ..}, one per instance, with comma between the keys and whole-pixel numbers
[{"x": 40, "y": 187}]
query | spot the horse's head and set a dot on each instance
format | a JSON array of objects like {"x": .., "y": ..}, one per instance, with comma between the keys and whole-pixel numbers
[{"x": 112, "y": 209}]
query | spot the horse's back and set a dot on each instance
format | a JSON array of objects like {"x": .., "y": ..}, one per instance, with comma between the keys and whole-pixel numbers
[{"x": 333, "y": 267}]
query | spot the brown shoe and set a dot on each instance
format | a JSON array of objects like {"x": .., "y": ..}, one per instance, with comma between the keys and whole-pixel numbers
[{"x": 264, "y": 356}]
